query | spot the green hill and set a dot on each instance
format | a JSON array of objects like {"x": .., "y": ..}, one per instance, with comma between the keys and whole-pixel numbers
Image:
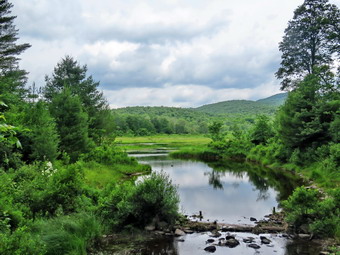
[
  {"x": 245, "y": 107},
  {"x": 275, "y": 100}
]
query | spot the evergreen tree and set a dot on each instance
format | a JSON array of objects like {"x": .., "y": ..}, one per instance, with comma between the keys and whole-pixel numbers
[
  {"x": 311, "y": 40},
  {"x": 68, "y": 73},
  {"x": 12, "y": 79},
  {"x": 307, "y": 117},
  {"x": 72, "y": 123},
  {"x": 43, "y": 137}
]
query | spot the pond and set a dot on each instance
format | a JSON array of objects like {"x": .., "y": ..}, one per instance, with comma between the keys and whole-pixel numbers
[{"x": 228, "y": 192}]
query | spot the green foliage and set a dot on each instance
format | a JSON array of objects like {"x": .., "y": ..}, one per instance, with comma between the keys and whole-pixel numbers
[
  {"x": 304, "y": 206},
  {"x": 244, "y": 107},
  {"x": 215, "y": 130},
  {"x": 109, "y": 154},
  {"x": 72, "y": 124},
  {"x": 304, "y": 121},
  {"x": 71, "y": 234},
  {"x": 262, "y": 131},
  {"x": 69, "y": 74},
  {"x": 43, "y": 137},
  {"x": 310, "y": 40},
  {"x": 137, "y": 205},
  {"x": 21, "y": 242}
]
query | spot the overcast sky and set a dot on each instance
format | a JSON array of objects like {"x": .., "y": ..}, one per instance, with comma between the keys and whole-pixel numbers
[{"x": 182, "y": 53}]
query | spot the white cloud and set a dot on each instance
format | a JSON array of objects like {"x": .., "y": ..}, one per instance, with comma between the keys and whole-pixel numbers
[{"x": 217, "y": 47}]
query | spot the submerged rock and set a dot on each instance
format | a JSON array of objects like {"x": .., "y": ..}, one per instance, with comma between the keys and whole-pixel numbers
[
  {"x": 210, "y": 240},
  {"x": 210, "y": 248}
]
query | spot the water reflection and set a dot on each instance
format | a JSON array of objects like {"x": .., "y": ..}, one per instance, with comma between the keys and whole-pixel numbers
[
  {"x": 228, "y": 192},
  {"x": 225, "y": 191}
]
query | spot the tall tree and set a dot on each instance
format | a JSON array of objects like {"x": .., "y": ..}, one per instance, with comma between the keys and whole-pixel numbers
[
  {"x": 43, "y": 138},
  {"x": 68, "y": 73},
  {"x": 311, "y": 40},
  {"x": 12, "y": 79},
  {"x": 72, "y": 123}
]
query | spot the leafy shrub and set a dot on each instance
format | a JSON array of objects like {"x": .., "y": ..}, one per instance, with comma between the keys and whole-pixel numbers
[
  {"x": 109, "y": 154},
  {"x": 20, "y": 242},
  {"x": 155, "y": 196},
  {"x": 304, "y": 206},
  {"x": 137, "y": 205}
]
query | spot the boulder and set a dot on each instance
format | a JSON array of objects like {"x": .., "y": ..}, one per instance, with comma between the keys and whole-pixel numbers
[
  {"x": 210, "y": 240},
  {"x": 253, "y": 219},
  {"x": 210, "y": 248}
]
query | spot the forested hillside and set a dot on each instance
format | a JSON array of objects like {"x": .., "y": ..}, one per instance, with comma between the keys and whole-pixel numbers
[{"x": 145, "y": 120}]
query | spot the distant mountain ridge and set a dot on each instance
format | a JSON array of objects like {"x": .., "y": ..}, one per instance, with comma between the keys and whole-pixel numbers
[{"x": 267, "y": 105}]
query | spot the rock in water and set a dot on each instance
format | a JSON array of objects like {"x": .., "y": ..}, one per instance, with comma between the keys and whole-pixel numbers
[
  {"x": 210, "y": 248},
  {"x": 254, "y": 246},
  {"x": 253, "y": 219},
  {"x": 265, "y": 240},
  {"x": 232, "y": 243},
  {"x": 215, "y": 234}
]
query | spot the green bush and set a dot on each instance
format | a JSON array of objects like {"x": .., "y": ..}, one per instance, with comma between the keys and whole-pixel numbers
[
  {"x": 305, "y": 206},
  {"x": 155, "y": 196},
  {"x": 21, "y": 242},
  {"x": 109, "y": 154},
  {"x": 138, "y": 204}
]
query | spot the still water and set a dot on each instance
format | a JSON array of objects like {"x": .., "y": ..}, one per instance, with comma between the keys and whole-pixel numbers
[{"x": 229, "y": 192}]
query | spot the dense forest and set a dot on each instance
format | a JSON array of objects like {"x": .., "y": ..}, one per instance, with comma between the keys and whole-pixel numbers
[
  {"x": 61, "y": 172},
  {"x": 146, "y": 120}
]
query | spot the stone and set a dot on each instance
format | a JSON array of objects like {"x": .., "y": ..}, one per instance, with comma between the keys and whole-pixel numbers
[
  {"x": 179, "y": 232},
  {"x": 180, "y": 240},
  {"x": 248, "y": 240},
  {"x": 228, "y": 237},
  {"x": 254, "y": 246},
  {"x": 253, "y": 219},
  {"x": 188, "y": 231},
  {"x": 210, "y": 248},
  {"x": 210, "y": 240},
  {"x": 265, "y": 240},
  {"x": 215, "y": 234},
  {"x": 232, "y": 243}
]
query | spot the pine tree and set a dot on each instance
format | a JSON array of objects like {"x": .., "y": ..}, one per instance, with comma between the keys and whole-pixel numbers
[
  {"x": 68, "y": 73},
  {"x": 12, "y": 79},
  {"x": 72, "y": 123}
]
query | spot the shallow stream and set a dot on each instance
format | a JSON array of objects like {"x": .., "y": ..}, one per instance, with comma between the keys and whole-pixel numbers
[{"x": 229, "y": 192}]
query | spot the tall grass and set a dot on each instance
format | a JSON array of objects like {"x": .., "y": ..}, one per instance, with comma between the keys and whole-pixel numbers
[{"x": 70, "y": 235}]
